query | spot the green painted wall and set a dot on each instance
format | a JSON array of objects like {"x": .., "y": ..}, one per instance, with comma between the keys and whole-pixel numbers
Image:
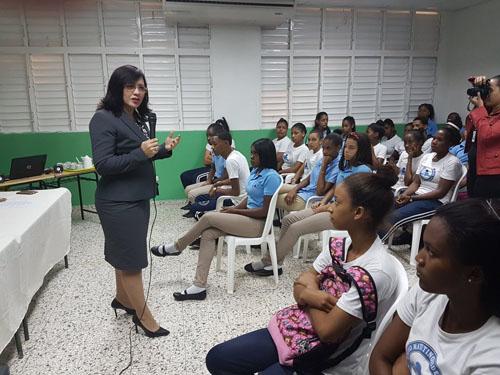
[{"x": 61, "y": 147}]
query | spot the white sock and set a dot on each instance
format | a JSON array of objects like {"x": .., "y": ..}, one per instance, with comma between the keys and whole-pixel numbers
[
  {"x": 270, "y": 268},
  {"x": 168, "y": 248},
  {"x": 257, "y": 265},
  {"x": 193, "y": 289}
]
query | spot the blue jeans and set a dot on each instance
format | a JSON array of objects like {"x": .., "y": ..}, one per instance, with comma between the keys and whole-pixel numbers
[{"x": 245, "y": 355}]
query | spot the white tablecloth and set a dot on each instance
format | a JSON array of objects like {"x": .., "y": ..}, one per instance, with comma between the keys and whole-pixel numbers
[{"x": 34, "y": 236}]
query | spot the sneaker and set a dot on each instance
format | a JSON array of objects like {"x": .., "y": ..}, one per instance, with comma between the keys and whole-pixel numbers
[
  {"x": 404, "y": 239},
  {"x": 195, "y": 245},
  {"x": 264, "y": 273},
  {"x": 188, "y": 214},
  {"x": 186, "y": 207},
  {"x": 277, "y": 223},
  {"x": 198, "y": 214}
]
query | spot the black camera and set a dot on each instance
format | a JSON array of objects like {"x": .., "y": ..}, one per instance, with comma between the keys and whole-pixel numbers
[{"x": 482, "y": 90}]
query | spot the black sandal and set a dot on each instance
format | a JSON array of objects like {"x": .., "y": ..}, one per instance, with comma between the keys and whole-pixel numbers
[
  {"x": 178, "y": 296},
  {"x": 155, "y": 251}
]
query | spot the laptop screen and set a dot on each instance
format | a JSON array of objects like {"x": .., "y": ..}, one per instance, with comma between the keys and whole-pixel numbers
[{"x": 27, "y": 166}]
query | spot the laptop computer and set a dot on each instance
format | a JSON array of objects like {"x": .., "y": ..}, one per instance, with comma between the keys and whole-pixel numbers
[{"x": 27, "y": 166}]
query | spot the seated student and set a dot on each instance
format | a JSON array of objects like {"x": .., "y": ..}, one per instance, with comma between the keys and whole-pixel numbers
[
  {"x": 362, "y": 202},
  {"x": 426, "y": 111},
  {"x": 398, "y": 150},
  {"x": 281, "y": 142},
  {"x": 314, "y": 142},
  {"x": 458, "y": 150},
  {"x": 245, "y": 219},
  {"x": 391, "y": 139},
  {"x": 375, "y": 133},
  {"x": 432, "y": 184},
  {"x": 321, "y": 179},
  {"x": 409, "y": 161},
  {"x": 321, "y": 124},
  {"x": 420, "y": 123},
  {"x": 237, "y": 170},
  {"x": 449, "y": 323},
  {"x": 216, "y": 170},
  {"x": 297, "y": 155},
  {"x": 348, "y": 126},
  {"x": 356, "y": 158}
]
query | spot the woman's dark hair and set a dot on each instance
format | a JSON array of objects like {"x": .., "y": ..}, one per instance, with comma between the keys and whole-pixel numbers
[
  {"x": 264, "y": 147},
  {"x": 417, "y": 135},
  {"x": 364, "y": 154},
  {"x": 316, "y": 122},
  {"x": 282, "y": 120},
  {"x": 423, "y": 120},
  {"x": 216, "y": 128},
  {"x": 318, "y": 132},
  {"x": 113, "y": 100},
  {"x": 473, "y": 227},
  {"x": 337, "y": 131},
  {"x": 452, "y": 134},
  {"x": 373, "y": 192},
  {"x": 430, "y": 108},
  {"x": 300, "y": 127},
  {"x": 378, "y": 129},
  {"x": 336, "y": 139},
  {"x": 351, "y": 121},
  {"x": 455, "y": 118},
  {"x": 222, "y": 121},
  {"x": 389, "y": 122},
  {"x": 225, "y": 136}
]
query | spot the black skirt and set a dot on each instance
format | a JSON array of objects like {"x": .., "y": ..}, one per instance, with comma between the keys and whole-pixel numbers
[{"x": 125, "y": 227}]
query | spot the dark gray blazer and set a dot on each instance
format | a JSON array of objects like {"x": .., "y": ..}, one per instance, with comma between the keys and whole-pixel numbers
[{"x": 126, "y": 173}]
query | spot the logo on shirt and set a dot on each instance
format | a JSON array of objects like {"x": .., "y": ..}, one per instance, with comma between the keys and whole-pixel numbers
[
  {"x": 427, "y": 174},
  {"x": 422, "y": 359}
]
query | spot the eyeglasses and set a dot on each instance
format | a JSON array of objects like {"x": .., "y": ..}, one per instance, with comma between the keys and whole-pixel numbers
[{"x": 140, "y": 88}]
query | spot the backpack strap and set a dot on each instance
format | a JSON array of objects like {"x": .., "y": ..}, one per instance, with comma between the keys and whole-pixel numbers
[
  {"x": 337, "y": 249},
  {"x": 368, "y": 296}
]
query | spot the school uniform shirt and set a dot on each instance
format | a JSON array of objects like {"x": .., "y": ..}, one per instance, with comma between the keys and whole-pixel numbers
[
  {"x": 431, "y": 350},
  {"x": 261, "y": 183},
  {"x": 459, "y": 152},
  {"x": 380, "y": 151},
  {"x": 294, "y": 155},
  {"x": 431, "y": 171},
  {"x": 402, "y": 163},
  {"x": 426, "y": 147},
  {"x": 376, "y": 261},
  {"x": 343, "y": 174},
  {"x": 432, "y": 127},
  {"x": 283, "y": 144},
  {"x": 332, "y": 170},
  {"x": 237, "y": 167},
  {"x": 311, "y": 161},
  {"x": 400, "y": 148},
  {"x": 391, "y": 144}
]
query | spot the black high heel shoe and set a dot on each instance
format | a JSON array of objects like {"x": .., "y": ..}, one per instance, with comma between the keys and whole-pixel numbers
[
  {"x": 115, "y": 304},
  {"x": 158, "y": 333}
]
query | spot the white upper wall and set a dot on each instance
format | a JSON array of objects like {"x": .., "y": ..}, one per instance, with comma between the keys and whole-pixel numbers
[{"x": 469, "y": 46}]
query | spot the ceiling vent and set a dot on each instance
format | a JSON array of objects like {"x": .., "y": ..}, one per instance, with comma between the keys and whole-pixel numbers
[{"x": 229, "y": 12}]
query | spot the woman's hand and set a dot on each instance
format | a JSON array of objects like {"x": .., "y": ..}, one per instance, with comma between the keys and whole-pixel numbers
[
  {"x": 228, "y": 210},
  {"x": 150, "y": 147},
  {"x": 171, "y": 142},
  {"x": 290, "y": 197},
  {"x": 322, "y": 208},
  {"x": 403, "y": 199},
  {"x": 318, "y": 299}
]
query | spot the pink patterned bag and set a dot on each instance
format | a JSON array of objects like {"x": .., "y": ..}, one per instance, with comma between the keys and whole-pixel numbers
[{"x": 297, "y": 343}]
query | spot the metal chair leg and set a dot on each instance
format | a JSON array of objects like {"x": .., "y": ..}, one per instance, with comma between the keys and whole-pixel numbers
[
  {"x": 66, "y": 265},
  {"x": 19, "y": 345},
  {"x": 25, "y": 329}
]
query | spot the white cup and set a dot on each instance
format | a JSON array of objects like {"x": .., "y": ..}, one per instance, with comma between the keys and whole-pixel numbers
[{"x": 87, "y": 161}]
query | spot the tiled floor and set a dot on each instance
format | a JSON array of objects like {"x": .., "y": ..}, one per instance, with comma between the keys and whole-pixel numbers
[{"x": 74, "y": 331}]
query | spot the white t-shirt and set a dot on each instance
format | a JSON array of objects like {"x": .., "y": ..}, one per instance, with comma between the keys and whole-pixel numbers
[
  {"x": 237, "y": 167},
  {"x": 402, "y": 162},
  {"x": 294, "y": 155},
  {"x": 426, "y": 147},
  {"x": 391, "y": 144},
  {"x": 376, "y": 261},
  {"x": 283, "y": 144},
  {"x": 430, "y": 172},
  {"x": 311, "y": 161},
  {"x": 380, "y": 151},
  {"x": 430, "y": 350}
]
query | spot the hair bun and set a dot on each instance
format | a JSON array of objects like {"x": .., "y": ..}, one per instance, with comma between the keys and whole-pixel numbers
[{"x": 386, "y": 176}]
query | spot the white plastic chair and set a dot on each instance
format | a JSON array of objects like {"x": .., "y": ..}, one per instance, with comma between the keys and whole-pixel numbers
[
  {"x": 401, "y": 290},
  {"x": 267, "y": 238},
  {"x": 306, "y": 237},
  {"x": 236, "y": 199},
  {"x": 419, "y": 224}
]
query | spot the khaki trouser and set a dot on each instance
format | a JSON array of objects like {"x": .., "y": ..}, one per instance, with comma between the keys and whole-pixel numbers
[
  {"x": 200, "y": 188},
  {"x": 211, "y": 226},
  {"x": 297, "y": 224},
  {"x": 297, "y": 204}
]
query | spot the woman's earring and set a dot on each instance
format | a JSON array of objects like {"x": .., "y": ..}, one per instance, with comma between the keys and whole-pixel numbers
[{"x": 470, "y": 279}]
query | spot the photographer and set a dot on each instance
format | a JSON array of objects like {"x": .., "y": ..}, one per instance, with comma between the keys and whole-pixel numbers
[{"x": 483, "y": 131}]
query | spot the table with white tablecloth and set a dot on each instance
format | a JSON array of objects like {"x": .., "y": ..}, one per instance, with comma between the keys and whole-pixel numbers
[{"x": 34, "y": 235}]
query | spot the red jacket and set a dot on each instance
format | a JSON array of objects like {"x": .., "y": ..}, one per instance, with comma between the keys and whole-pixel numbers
[{"x": 488, "y": 140}]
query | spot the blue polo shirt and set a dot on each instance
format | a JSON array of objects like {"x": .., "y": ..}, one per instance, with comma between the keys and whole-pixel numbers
[
  {"x": 220, "y": 163},
  {"x": 363, "y": 168},
  {"x": 332, "y": 171},
  {"x": 432, "y": 128},
  {"x": 459, "y": 152},
  {"x": 260, "y": 183}
]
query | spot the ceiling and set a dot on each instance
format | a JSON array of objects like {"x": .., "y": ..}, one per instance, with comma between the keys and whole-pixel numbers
[{"x": 443, "y": 5}]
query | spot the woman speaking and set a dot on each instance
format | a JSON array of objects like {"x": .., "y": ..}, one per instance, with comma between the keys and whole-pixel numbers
[{"x": 123, "y": 154}]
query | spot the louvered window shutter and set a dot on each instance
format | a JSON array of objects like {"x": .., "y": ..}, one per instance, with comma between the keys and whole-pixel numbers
[
  {"x": 15, "y": 111},
  {"x": 393, "y": 90},
  {"x": 397, "y": 30},
  {"x": 338, "y": 29},
  {"x": 162, "y": 83},
  {"x": 87, "y": 83},
  {"x": 364, "y": 89},
  {"x": 274, "y": 90},
  {"x": 196, "y": 92},
  {"x": 423, "y": 76},
  {"x": 155, "y": 33},
  {"x": 115, "y": 61},
  {"x": 82, "y": 23},
  {"x": 11, "y": 29},
  {"x": 120, "y": 23},
  {"x": 368, "y": 29},
  {"x": 336, "y": 72},
  {"x": 306, "y": 30},
  {"x": 276, "y": 38},
  {"x": 194, "y": 37},
  {"x": 43, "y": 23},
  {"x": 305, "y": 89},
  {"x": 51, "y": 98}
]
